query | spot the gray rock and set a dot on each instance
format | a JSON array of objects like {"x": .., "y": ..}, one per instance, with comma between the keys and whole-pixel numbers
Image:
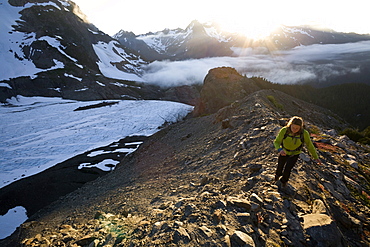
[
  {"x": 244, "y": 218},
  {"x": 181, "y": 235},
  {"x": 327, "y": 141},
  {"x": 189, "y": 209},
  {"x": 339, "y": 144},
  {"x": 256, "y": 198},
  {"x": 206, "y": 231},
  {"x": 254, "y": 167},
  {"x": 318, "y": 207},
  {"x": 243, "y": 239},
  {"x": 286, "y": 241},
  {"x": 353, "y": 183},
  {"x": 353, "y": 163},
  {"x": 179, "y": 204},
  {"x": 332, "y": 132},
  {"x": 240, "y": 203},
  {"x": 220, "y": 204},
  {"x": 255, "y": 206},
  {"x": 322, "y": 229},
  {"x": 156, "y": 227}
]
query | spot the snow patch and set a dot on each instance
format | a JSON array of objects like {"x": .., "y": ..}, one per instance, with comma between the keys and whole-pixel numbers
[
  {"x": 212, "y": 32},
  {"x": 58, "y": 89},
  {"x": 3, "y": 84},
  {"x": 297, "y": 30},
  {"x": 82, "y": 89},
  {"x": 101, "y": 84},
  {"x": 11, "y": 220},
  {"x": 56, "y": 44},
  {"x": 72, "y": 76},
  {"x": 160, "y": 40},
  {"x": 93, "y": 32},
  {"x": 109, "y": 55},
  {"x": 106, "y": 165},
  {"x": 118, "y": 84},
  {"x": 47, "y": 4}
]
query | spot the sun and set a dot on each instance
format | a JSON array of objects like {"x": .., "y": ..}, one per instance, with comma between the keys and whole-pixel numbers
[
  {"x": 253, "y": 31},
  {"x": 250, "y": 18}
]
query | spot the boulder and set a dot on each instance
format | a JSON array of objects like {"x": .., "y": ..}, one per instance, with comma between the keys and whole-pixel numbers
[
  {"x": 240, "y": 203},
  {"x": 256, "y": 198},
  {"x": 244, "y": 218},
  {"x": 318, "y": 207},
  {"x": 322, "y": 230},
  {"x": 254, "y": 167},
  {"x": 242, "y": 239}
]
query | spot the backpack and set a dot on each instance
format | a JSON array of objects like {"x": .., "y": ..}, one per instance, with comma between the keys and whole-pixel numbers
[{"x": 298, "y": 148}]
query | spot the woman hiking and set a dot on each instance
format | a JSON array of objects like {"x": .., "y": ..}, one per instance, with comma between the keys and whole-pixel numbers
[{"x": 289, "y": 143}]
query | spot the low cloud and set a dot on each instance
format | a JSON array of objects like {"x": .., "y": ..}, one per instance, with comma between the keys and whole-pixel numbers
[
  {"x": 315, "y": 63},
  {"x": 168, "y": 73},
  {"x": 329, "y": 51}
]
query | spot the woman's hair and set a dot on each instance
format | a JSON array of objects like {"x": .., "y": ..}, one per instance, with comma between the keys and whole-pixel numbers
[{"x": 297, "y": 121}]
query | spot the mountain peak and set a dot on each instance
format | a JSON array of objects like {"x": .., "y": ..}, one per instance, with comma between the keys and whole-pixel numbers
[
  {"x": 194, "y": 23},
  {"x": 196, "y": 28}
]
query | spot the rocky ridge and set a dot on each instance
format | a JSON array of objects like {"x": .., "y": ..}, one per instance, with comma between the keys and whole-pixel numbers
[{"x": 209, "y": 181}]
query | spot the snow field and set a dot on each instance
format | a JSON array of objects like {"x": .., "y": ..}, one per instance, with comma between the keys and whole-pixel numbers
[{"x": 38, "y": 132}]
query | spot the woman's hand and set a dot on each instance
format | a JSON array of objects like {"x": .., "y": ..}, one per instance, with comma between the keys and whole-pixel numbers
[
  {"x": 282, "y": 152},
  {"x": 318, "y": 161}
]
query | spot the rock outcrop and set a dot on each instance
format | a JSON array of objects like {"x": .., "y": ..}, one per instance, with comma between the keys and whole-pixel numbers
[
  {"x": 209, "y": 181},
  {"x": 221, "y": 87}
]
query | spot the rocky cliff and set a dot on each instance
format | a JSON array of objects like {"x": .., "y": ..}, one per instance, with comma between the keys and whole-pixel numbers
[{"x": 209, "y": 181}]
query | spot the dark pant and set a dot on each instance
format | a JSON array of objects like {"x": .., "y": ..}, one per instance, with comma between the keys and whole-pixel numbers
[{"x": 285, "y": 166}]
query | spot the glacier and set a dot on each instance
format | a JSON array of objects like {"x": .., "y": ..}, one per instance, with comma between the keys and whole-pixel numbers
[{"x": 39, "y": 132}]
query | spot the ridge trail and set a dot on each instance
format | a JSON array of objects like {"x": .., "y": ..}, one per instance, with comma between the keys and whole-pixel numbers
[{"x": 208, "y": 181}]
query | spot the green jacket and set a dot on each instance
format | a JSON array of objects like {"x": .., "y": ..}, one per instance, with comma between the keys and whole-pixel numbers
[{"x": 293, "y": 142}]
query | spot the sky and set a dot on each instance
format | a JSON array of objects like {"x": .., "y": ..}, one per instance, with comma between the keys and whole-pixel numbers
[{"x": 253, "y": 18}]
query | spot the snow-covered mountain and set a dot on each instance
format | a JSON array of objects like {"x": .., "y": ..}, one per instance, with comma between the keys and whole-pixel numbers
[
  {"x": 289, "y": 37},
  {"x": 200, "y": 40},
  {"x": 196, "y": 41},
  {"x": 48, "y": 48}
]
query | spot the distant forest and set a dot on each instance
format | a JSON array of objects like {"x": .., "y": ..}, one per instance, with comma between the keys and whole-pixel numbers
[{"x": 351, "y": 101}]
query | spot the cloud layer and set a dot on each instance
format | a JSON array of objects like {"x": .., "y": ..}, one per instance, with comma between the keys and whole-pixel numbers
[{"x": 319, "y": 64}]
